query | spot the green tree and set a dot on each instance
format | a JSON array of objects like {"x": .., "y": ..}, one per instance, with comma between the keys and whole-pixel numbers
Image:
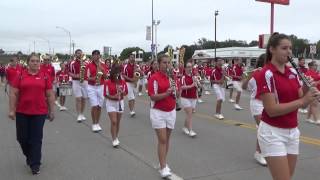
[
  {"x": 253, "y": 43},
  {"x": 127, "y": 51}
]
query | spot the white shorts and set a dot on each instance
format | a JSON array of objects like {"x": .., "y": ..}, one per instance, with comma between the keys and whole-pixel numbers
[
  {"x": 142, "y": 81},
  {"x": 256, "y": 107},
  {"x": 275, "y": 141},
  {"x": 113, "y": 106},
  {"x": 80, "y": 89},
  {"x": 161, "y": 119},
  {"x": 220, "y": 92},
  {"x": 131, "y": 91},
  {"x": 188, "y": 103},
  {"x": 95, "y": 94},
  {"x": 237, "y": 85}
]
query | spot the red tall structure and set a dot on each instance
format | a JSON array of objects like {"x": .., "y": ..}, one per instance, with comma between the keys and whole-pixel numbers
[{"x": 272, "y": 2}]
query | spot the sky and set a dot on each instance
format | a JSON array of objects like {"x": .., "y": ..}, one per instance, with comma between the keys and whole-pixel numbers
[{"x": 122, "y": 23}]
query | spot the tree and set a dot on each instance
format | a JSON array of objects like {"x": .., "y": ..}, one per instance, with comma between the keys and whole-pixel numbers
[
  {"x": 318, "y": 49},
  {"x": 254, "y": 43},
  {"x": 2, "y": 51},
  {"x": 127, "y": 51}
]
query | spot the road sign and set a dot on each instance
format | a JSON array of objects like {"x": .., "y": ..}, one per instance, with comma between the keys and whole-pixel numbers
[{"x": 313, "y": 49}]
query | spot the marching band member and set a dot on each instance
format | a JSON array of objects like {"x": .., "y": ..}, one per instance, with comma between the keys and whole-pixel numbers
[
  {"x": 142, "y": 80},
  {"x": 282, "y": 95},
  {"x": 196, "y": 72},
  {"x": 188, "y": 98},
  {"x": 128, "y": 75},
  {"x": 217, "y": 78},
  {"x": 30, "y": 112},
  {"x": 2, "y": 73},
  {"x": 114, "y": 90},
  {"x": 79, "y": 84},
  {"x": 96, "y": 73},
  {"x": 313, "y": 108},
  {"x": 236, "y": 81},
  {"x": 47, "y": 68},
  {"x": 256, "y": 106},
  {"x": 154, "y": 67},
  {"x": 229, "y": 85},
  {"x": 207, "y": 73},
  {"x": 62, "y": 77},
  {"x": 162, "y": 111},
  {"x": 12, "y": 70}
]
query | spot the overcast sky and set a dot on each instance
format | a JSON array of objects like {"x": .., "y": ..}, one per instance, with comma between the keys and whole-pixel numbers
[{"x": 122, "y": 23}]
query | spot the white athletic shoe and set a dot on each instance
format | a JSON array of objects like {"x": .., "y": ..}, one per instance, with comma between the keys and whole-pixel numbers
[
  {"x": 260, "y": 159},
  {"x": 237, "y": 107},
  {"x": 207, "y": 93},
  {"x": 185, "y": 130},
  {"x": 83, "y": 117},
  {"x": 309, "y": 120},
  {"x": 132, "y": 113},
  {"x": 98, "y": 127},
  {"x": 94, "y": 128},
  {"x": 63, "y": 108},
  {"x": 231, "y": 101},
  {"x": 115, "y": 143},
  {"x": 219, "y": 116},
  {"x": 200, "y": 100},
  {"x": 164, "y": 173},
  {"x": 139, "y": 94},
  {"x": 167, "y": 166},
  {"x": 192, "y": 133},
  {"x": 317, "y": 122},
  {"x": 57, "y": 103},
  {"x": 79, "y": 118}
]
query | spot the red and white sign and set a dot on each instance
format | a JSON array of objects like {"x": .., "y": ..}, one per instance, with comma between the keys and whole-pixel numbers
[
  {"x": 283, "y": 2},
  {"x": 263, "y": 40}
]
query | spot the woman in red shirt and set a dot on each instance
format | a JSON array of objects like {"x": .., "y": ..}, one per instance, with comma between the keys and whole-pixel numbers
[
  {"x": 282, "y": 95},
  {"x": 188, "y": 98},
  {"x": 30, "y": 112},
  {"x": 162, "y": 111},
  {"x": 114, "y": 90},
  {"x": 62, "y": 77}
]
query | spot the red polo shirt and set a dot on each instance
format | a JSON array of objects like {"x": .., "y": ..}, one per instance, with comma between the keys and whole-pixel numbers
[
  {"x": 92, "y": 72},
  {"x": 208, "y": 71},
  {"x": 303, "y": 69},
  {"x": 252, "y": 84},
  {"x": 217, "y": 74},
  {"x": 32, "y": 98},
  {"x": 237, "y": 71},
  {"x": 128, "y": 70},
  {"x": 314, "y": 75},
  {"x": 188, "y": 93},
  {"x": 285, "y": 86},
  {"x": 74, "y": 68},
  {"x": 157, "y": 84},
  {"x": 150, "y": 73},
  {"x": 229, "y": 71},
  {"x": 49, "y": 70},
  {"x": 62, "y": 76},
  {"x": 12, "y": 73},
  {"x": 110, "y": 87}
]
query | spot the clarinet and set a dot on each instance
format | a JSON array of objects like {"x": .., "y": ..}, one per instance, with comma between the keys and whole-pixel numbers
[
  {"x": 119, "y": 96},
  {"x": 300, "y": 74},
  {"x": 173, "y": 86}
]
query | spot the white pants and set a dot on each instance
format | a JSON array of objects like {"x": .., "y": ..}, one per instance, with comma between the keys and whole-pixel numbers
[
  {"x": 220, "y": 92},
  {"x": 275, "y": 141},
  {"x": 161, "y": 119},
  {"x": 131, "y": 91},
  {"x": 237, "y": 85},
  {"x": 95, "y": 94},
  {"x": 142, "y": 81},
  {"x": 113, "y": 106},
  {"x": 188, "y": 103},
  {"x": 256, "y": 107},
  {"x": 80, "y": 89}
]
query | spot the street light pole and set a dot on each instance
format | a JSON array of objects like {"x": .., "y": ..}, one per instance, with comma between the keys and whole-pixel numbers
[
  {"x": 156, "y": 23},
  {"x": 69, "y": 33},
  {"x": 152, "y": 39},
  {"x": 216, "y": 13}
]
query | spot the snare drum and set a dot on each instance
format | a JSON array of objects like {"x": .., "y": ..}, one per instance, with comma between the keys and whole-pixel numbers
[{"x": 65, "y": 90}]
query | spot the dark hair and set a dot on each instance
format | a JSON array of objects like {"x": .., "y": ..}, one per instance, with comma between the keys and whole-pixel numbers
[
  {"x": 261, "y": 61},
  {"x": 115, "y": 69},
  {"x": 161, "y": 56},
  {"x": 312, "y": 63},
  {"x": 78, "y": 50},
  {"x": 274, "y": 41},
  {"x": 151, "y": 64},
  {"x": 300, "y": 58},
  {"x": 95, "y": 52},
  {"x": 32, "y": 55}
]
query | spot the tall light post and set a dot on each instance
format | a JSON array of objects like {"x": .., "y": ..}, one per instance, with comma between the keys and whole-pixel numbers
[
  {"x": 69, "y": 33},
  {"x": 155, "y": 24},
  {"x": 216, "y": 13},
  {"x": 152, "y": 38}
]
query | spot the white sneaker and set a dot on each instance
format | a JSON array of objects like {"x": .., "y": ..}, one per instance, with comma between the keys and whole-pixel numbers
[
  {"x": 63, "y": 108},
  {"x": 260, "y": 159},
  {"x": 237, "y": 107},
  {"x": 98, "y": 127},
  {"x": 207, "y": 93},
  {"x": 200, "y": 100},
  {"x": 221, "y": 116},
  {"x": 139, "y": 94},
  {"x": 309, "y": 120},
  {"x": 115, "y": 143},
  {"x": 185, "y": 130},
  {"x": 231, "y": 101},
  {"x": 164, "y": 173},
  {"x": 79, "y": 118},
  {"x": 57, "y": 103},
  {"x": 317, "y": 122},
  {"x": 167, "y": 167},
  {"x": 192, "y": 133},
  {"x": 94, "y": 128},
  {"x": 132, "y": 113}
]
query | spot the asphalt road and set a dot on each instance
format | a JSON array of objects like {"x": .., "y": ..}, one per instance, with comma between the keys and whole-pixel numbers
[{"x": 222, "y": 150}]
